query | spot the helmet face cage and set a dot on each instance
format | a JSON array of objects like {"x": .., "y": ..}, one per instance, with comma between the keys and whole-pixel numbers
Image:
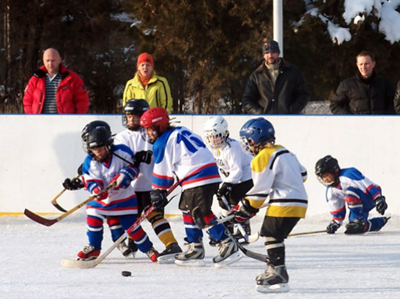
[
  {"x": 99, "y": 137},
  {"x": 327, "y": 164},
  {"x": 89, "y": 128},
  {"x": 134, "y": 107},
  {"x": 256, "y": 133},
  {"x": 215, "y": 132}
]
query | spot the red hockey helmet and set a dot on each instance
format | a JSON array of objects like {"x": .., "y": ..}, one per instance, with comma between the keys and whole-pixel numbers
[{"x": 156, "y": 118}]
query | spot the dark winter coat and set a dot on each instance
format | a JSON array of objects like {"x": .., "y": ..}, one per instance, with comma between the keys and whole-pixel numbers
[
  {"x": 356, "y": 95},
  {"x": 289, "y": 95},
  {"x": 71, "y": 95}
]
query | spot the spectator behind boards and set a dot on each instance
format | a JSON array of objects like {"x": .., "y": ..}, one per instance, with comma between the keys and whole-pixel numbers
[
  {"x": 366, "y": 92},
  {"x": 55, "y": 89},
  {"x": 146, "y": 84},
  {"x": 276, "y": 86},
  {"x": 397, "y": 99}
]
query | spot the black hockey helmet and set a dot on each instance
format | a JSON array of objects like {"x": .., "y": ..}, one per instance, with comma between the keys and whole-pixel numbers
[
  {"x": 136, "y": 107},
  {"x": 327, "y": 164},
  {"x": 89, "y": 128},
  {"x": 100, "y": 137}
]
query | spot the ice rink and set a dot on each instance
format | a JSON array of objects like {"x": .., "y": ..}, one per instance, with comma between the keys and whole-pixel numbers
[{"x": 319, "y": 265}]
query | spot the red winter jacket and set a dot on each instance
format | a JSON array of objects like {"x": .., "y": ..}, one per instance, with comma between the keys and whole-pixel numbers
[{"x": 72, "y": 96}]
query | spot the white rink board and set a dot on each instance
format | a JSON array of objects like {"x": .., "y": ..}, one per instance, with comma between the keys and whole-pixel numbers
[{"x": 39, "y": 151}]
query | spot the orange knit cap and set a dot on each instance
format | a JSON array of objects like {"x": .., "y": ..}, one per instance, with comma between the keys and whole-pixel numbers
[{"x": 145, "y": 57}]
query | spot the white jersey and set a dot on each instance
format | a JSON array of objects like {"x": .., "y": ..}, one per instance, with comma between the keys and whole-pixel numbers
[
  {"x": 136, "y": 142},
  {"x": 233, "y": 162},
  {"x": 179, "y": 151}
]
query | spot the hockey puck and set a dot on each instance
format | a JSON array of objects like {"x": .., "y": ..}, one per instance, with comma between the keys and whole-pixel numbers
[{"x": 126, "y": 273}]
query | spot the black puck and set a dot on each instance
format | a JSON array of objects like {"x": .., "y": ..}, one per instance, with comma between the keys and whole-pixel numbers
[{"x": 126, "y": 273}]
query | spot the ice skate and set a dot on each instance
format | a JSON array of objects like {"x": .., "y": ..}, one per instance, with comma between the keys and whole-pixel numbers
[
  {"x": 88, "y": 253},
  {"x": 274, "y": 280},
  {"x": 228, "y": 253},
  {"x": 193, "y": 257},
  {"x": 152, "y": 254},
  {"x": 355, "y": 227},
  {"x": 128, "y": 250},
  {"x": 168, "y": 255}
]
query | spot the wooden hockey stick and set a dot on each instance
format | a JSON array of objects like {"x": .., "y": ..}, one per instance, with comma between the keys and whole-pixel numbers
[
  {"x": 71, "y": 263},
  {"x": 308, "y": 233},
  {"x": 54, "y": 201},
  {"x": 49, "y": 222}
]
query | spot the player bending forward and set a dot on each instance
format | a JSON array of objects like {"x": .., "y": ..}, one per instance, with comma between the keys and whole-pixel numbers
[
  {"x": 135, "y": 137},
  {"x": 350, "y": 186},
  {"x": 105, "y": 165},
  {"x": 233, "y": 166},
  {"x": 179, "y": 151},
  {"x": 276, "y": 172}
]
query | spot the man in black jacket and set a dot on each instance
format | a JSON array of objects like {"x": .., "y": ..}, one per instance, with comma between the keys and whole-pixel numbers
[
  {"x": 366, "y": 92},
  {"x": 275, "y": 87}
]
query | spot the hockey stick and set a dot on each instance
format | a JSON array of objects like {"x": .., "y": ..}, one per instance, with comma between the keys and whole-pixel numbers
[
  {"x": 54, "y": 201},
  {"x": 70, "y": 263},
  {"x": 49, "y": 222},
  {"x": 308, "y": 233},
  {"x": 248, "y": 238}
]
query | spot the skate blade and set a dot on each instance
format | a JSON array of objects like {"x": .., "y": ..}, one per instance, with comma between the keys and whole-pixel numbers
[
  {"x": 229, "y": 260},
  {"x": 190, "y": 263},
  {"x": 166, "y": 259},
  {"x": 275, "y": 288}
]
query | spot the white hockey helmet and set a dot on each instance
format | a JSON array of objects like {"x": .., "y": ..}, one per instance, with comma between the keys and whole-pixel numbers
[{"x": 215, "y": 131}]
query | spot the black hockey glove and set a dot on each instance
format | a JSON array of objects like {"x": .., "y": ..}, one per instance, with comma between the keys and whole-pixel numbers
[
  {"x": 225, "y": 190},
  {"x": 74, "y": 184},
  {"x": 332, "y": 227},
  {"x": 142, "y": 157},
  {"x": 243, "y": 212},
  {"x": 159, "y": 199},
  {"x": 80, "y": 169},
  {"x": 381, "y": 205}
]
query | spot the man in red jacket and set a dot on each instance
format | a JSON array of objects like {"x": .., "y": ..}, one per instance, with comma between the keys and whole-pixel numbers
[{"x": 55, "y": 89}]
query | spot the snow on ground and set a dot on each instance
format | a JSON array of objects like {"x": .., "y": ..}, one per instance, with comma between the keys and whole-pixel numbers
[{"x": 319, "y": 265}]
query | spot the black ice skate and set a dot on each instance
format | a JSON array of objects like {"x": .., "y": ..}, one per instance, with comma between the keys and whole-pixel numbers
[
  {"x": 168, "y": 255},
  {"x": 228, "y": 253},
  {"x": 274, "y": 280},
  {"x": 193, "y": 257}
]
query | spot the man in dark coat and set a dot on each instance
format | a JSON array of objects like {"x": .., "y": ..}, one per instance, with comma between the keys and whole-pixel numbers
[{"x": 276, "y": 86}]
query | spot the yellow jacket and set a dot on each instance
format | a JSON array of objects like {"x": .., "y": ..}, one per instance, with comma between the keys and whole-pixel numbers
[{"x": 157, "y": 92}]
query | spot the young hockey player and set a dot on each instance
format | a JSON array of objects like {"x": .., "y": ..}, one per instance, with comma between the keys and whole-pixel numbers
[
  {"x": 350, "y": 186},
  {"x": 76, "y": 184},
  {"x": 178, "y": 151},
  {"x": 134, "y": 138},
  {"x": 105, "y": 165},
  {"x": 233, "y": 166},
  {"x": 278, "y": 174}
]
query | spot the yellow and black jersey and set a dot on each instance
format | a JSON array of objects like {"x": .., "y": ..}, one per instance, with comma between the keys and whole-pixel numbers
[{"x": 278, "y": 173}]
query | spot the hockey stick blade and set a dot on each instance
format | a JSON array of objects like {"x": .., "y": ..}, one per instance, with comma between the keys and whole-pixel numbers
[
  {"x": 54, "y": 200},
  {"x": 39, "y": 219},
  {"x": 254, "y": 255}
]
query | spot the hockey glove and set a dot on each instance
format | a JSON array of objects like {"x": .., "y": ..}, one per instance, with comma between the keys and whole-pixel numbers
[
  {"x": 159, "y": 199},
  {"x": 332, "y": 227},
  {"x": 381, "y": 205},
  {"x": 225, "y": 190},
  {"x": 124, "y": 178},
  {"x": 243, "y": 212},
  {"x": 142, "y": 157},
  {"x": 102, "y": 194},
  {"x": 80, "y": 169},
  {"x": 74, "y": 184}
]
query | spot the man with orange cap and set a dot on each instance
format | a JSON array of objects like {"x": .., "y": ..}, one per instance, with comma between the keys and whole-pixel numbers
[{"x": 146, "y": 84}]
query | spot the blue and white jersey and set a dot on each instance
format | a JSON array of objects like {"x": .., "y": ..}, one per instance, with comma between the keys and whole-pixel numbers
[
  {"x": 136, "y": 142},
  {"x": 182, "y": 152},
  {"x": 355, "y": 189},
  {"x": 99, "y": 174},
  {"x": 233, "y": 162}
]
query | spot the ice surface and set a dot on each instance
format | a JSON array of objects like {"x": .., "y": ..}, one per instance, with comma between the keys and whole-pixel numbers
[{"x": 319, "y": 265}]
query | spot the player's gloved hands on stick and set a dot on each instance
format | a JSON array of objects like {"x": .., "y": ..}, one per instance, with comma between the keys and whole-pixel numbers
[
  {"x": 243, "y": 212},
  {"x": 159, "y": 199},
  {"x": 381, "y": 205},
  {"x": 142, "y": 157},
  {"x": 332, "y": 227},
  {"x": 224, "y": 191},
  {"x": 74, "y": 184},
  {"x": 124, "y": 178},
  {"x": 103, "y": 194}
]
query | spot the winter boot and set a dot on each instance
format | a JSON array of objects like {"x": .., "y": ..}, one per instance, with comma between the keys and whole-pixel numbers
[
  {"x": 228, "y": 253},
  {"x": 168, "y": 255},
  {"x": 152, "y": 254},
  {"x": 88, "y": 253},
  {"x": 274, "y": 280},
  {"x": 355, "y": 227},
  {"x": 193, "y": 256}
]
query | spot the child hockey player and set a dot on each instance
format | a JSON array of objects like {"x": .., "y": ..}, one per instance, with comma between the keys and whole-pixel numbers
[
  {"x": 233, "y": 166},
  {"x": 134, "y": 138},
  {"x": 178, "y": 151},
  {"x": 350, "y": 186},
  {"x": 278, "y": 174},
  {"x": 105, "y": 165}
]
